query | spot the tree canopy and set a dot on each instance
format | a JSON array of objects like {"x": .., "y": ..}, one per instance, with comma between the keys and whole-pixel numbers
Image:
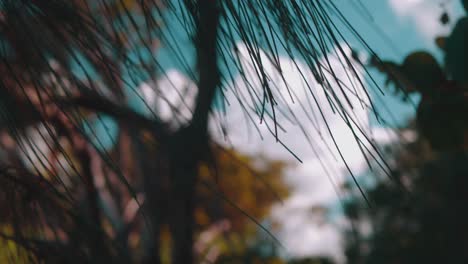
[{"x": 420, "y": 216}]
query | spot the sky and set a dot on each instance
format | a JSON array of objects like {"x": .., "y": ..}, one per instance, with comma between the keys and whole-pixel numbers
[{"x": 393, "y": 28}]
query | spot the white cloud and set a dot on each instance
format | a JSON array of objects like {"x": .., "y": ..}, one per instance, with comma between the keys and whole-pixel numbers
[
  {"x": 312, "y": 239},
  {"x": 171, "y": 98},
  {"x": 404, "y": 7},
  {"x": 424, "y": 14},
  {"x": 312, "y": 186}
]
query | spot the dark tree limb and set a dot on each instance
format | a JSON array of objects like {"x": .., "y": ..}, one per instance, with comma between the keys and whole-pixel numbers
[{"x": 190, "y": 145}]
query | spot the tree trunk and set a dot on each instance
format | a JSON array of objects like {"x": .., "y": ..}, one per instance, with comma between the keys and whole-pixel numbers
[
  {"x": 190, "y": 145},
  {"x": 184, "y": 175}
]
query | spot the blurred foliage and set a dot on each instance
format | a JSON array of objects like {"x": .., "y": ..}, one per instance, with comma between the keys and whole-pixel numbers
[
  {"x": 456, "y": 59},
  {"x": 442, "y": 113},
  {"x": 419, "y": 216},
  {"x": 249, "y": 184},
  {"x": 252, "y": 183},
  {"x": 12, "y": 252},
  {"x": 419, "y": 213}
]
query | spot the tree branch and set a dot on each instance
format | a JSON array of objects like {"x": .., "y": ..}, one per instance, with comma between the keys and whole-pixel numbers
[{"x": 98, "y": 104}]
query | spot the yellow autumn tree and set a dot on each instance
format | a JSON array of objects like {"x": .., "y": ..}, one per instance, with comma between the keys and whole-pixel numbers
[{"x": 247, "y": 189}]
